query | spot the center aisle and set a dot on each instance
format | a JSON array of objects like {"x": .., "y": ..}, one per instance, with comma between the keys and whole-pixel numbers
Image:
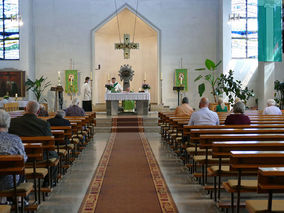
[{"x": 123, "y": 181}]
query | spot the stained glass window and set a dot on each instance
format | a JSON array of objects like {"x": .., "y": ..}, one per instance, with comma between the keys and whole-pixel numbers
[
  {"x": 9, "y": 30},
  {"x": 244, "y": 29}
]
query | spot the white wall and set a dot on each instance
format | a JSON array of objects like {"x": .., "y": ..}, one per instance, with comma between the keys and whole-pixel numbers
[{"x": 189, "y": 29}]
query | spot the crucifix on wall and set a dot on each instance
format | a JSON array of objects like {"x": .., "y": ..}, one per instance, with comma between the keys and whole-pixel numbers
[{"x": 126, "y": 46}]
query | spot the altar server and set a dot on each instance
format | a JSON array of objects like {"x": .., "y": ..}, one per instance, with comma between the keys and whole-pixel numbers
[{"x": 87, "y": 96}]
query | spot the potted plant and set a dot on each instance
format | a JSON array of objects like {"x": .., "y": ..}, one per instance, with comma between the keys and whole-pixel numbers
[
  {"x": 38, "y": 86},
  {"x": 279, "y": 94},
  {"x": 233, "y": 88},
  {"x": 212, "y": 77}
]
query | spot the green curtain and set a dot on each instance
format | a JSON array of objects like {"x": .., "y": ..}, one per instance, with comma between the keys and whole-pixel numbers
[
  {"x": 71, "y": 81},
  {"x": 270, "y": 30},
  {"x": 181, "y": 78}
]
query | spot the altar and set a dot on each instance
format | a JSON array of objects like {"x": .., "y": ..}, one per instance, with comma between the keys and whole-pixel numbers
[{"x": 141, "y": 99}]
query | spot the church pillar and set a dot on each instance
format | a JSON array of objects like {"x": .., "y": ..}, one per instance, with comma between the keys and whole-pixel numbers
[{"x": 266, "y": 82}]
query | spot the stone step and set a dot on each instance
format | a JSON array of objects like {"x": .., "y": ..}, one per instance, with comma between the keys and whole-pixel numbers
[{"x": 154, "y": 129}]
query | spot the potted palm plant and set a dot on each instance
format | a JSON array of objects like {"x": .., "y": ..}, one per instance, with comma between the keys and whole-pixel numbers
[
  {"x": 212, "y": 77},
  {"x": 37, "y": 87}
]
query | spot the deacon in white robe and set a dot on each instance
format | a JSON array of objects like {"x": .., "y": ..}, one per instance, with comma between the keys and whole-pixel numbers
[{"x": 87, "y": 96}]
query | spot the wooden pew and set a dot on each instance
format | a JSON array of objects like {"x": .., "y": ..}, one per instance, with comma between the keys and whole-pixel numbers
[
  {"x": 241, "y": 161},
  {"x": 223, "y": 150},
  {"x": 270, "y": 180}
]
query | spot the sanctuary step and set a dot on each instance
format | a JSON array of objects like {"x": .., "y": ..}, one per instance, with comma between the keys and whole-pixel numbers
[
  {"x": 104, "y": 123},
  {"x": 101, "y": 107}
]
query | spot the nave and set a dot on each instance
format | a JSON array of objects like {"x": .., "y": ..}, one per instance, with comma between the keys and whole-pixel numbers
[{"x": 68, "y": 195}]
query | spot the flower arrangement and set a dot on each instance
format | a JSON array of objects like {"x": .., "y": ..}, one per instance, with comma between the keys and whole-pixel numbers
[{"x": 146, "y": 86}]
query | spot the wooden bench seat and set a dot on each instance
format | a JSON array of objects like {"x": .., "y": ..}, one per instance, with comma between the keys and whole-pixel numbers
[{"x": 260, "y": 206}]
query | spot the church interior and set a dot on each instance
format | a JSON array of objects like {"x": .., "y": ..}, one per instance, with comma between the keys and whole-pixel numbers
[{"x": 141, "y": 106}]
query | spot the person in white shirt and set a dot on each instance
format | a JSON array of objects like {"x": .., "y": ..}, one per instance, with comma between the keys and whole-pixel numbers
[
  {"x": 116, "y": 85},
  {"x": 204, "y": 116},
  {"x": 271, "y": 109},
  {"x": 87, "y": 96}
]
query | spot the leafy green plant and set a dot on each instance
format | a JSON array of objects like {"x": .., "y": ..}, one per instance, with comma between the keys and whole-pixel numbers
[
  {"x": 212, "y": 77},
  {"x": 233, "y": 88},
  {"x": 38, "y": 86},
  {"x": 279, "y": 93}
]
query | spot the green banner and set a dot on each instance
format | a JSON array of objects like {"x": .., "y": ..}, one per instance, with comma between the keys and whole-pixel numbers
[
  {"x": 71, "y": 81},
  {"x": 269, "y": 30},
  {"x": 181, "y": 78}
]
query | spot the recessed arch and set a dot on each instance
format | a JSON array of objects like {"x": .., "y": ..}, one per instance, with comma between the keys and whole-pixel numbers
[{"x": 101, "y": 75}]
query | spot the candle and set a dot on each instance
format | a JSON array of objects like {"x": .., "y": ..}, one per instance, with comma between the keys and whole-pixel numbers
[
  {"x": 59, "y": 78},
  {"x": 16, "y": 95},
  {"x": 108, "y": 77},
  {"x": 161, "y": 76},
  {"x": 144, "y": 76}
]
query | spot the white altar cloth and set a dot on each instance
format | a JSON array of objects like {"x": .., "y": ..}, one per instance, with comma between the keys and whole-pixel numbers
[
  {"x": 135, "y": 96},
  {"x": 22, "y": 104}
]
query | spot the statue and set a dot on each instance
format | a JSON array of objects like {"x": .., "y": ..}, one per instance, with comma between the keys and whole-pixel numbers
[{"x": 126, "y": 75}]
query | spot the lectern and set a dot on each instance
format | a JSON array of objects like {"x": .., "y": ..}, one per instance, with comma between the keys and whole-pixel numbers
[
  {"x": 58, "y": 97},
  {"x": 178, "y": 89}
]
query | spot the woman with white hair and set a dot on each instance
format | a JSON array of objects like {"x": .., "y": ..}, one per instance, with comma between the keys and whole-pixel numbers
[
  {"x": 271, "y": 109},
  {"x": 9, "y": 145},
  {"x": 238, "y": 117},
  {"x": 74, "y": 109}
]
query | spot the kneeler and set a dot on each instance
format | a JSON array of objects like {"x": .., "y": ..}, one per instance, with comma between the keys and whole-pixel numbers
[{"x": 128, "y": 106}]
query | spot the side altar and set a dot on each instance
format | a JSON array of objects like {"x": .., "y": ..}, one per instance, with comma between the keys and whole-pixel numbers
[{"x": 142, "y": 102}]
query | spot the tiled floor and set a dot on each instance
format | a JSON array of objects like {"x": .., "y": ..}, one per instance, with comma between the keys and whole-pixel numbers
[{"x": 67, "y": 196}]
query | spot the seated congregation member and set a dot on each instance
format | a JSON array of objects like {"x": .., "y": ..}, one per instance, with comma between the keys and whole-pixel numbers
[
  {"x": 221, "y": 107},
  {"x": 42, "y": 111},
  {"x": 204, "y": 116},
  {"x": 9, "y": 145},
  {"x": 238, "y": 118},
  {"x": 30, "y": 125},
  {"x": 74, "y": 109},
  {"x": 271, "y": 108},
  {"x": 59, "y": 120},
  {"x": 184, "y": 110}
]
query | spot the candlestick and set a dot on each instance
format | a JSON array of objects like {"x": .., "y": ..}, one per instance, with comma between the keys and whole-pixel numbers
[
  {"x": 161, "y": 76},
  {"x": 16, "y": 95},
  {"x": 108, "y": 77},
  {"x": 144, "y": 76},
  {"x": 59, "y": 78},
  {"x": 91, "y": 76}
]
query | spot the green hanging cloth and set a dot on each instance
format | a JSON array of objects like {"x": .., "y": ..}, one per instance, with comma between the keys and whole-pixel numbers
[{"x": 269, "y": 30}]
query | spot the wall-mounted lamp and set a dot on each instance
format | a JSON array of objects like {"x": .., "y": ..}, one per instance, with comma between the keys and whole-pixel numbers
[
  {"x": 234, "y": 17},
  {"x": 17, "y": 19},
  {"x": 99, "y": 67}
]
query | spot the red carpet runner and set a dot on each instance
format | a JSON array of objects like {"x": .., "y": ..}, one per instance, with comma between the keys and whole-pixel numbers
[{"x": 128, "y": 178}]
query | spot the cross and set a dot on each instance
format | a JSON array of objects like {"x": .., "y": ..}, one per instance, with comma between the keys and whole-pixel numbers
[{"x": 126, "y": 46}]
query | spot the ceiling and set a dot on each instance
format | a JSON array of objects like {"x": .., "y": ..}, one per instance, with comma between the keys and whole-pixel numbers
[{"x": 126, "y": 20}]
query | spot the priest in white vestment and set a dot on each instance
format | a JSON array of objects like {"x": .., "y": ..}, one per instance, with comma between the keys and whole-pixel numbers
[{"x": 117, "y": 87}]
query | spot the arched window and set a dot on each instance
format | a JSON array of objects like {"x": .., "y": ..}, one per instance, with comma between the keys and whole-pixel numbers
[
  {"x": 244, "y": 29},
  {"x": 9, "y": 30}
]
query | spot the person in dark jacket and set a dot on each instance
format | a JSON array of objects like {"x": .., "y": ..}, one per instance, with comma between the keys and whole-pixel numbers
[
  {"x": 30, "y": 125},
  {"x": 59, "y": 120},
  {"x": 238, "y": 118}
]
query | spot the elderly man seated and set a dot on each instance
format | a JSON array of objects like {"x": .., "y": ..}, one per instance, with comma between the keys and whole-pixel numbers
[
  {"x": 59, "y": 120},
  {"x": 204, "y": 116},
  {"x": 74, "y": 109},
  {"x": 238, "y": 118},
  {"x": 271, "y": 108},
  {"x": 9, "y": 145},
  {"x": 184, "y": 110},
  {"x": 30, "y": 125}
]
